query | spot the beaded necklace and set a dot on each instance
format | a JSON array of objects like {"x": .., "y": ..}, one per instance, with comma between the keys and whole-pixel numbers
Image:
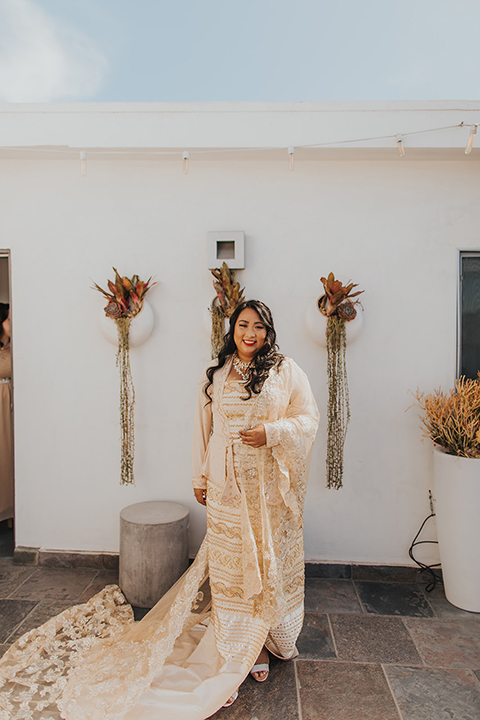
[{"x": 243, "y": 368}]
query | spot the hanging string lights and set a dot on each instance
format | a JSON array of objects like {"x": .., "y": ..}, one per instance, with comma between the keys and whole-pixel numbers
[
  {"x": 291, "y": 157},
  {"x": 471, "y": 138},
  {"x": 401, "y": 149},
  {"x": 398, "y": 139},
  {"x": 83, "y": 163}
]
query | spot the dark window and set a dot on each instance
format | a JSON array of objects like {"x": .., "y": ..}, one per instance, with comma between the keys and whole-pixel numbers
[{"x": 469, "y": 345}]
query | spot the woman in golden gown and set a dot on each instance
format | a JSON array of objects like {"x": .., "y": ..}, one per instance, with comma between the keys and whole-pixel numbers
[{"x": 255, "y": 424}]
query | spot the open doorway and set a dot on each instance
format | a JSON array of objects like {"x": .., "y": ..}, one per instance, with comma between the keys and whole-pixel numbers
[{"x": 6, "y": 412}]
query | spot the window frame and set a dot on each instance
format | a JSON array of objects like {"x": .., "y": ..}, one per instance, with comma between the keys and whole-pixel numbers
[{"x": 471, "y": 252}]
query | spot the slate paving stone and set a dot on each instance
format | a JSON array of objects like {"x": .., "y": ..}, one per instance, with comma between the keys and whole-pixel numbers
[
  {"x": 97, "y": 561},
  {"x": 46, "y": 584},
  {"x": 330, "y": 596},
  {"x": 404, "y": 599},
  {"x": 384, "y": 573},
  {"x": 443, "y": 609},
  {"x": 69, "y": 560},
  {"x": 139, "y": 613},
  {"x": 424, "y": 693},
  {"x": 344, "y": 691},
  {"x": 101, "y": 580},
  {"x": 11, "y": 576},
  {"x": 274, "y": 699},
  {"x": 315, "y": 641},
  {"x": 328, "y": 570},
  {"x": 373, "y": 639},
  {"x": 12, "y": 612},
  {"x": 42, "y": 612},
  {"x": 447, "y": 643}
]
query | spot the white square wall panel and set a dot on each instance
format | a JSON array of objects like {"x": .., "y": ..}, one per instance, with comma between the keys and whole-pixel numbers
[{"x": 226, "y": 246}]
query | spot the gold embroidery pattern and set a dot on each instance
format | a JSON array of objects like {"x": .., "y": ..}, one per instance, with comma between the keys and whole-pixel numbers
[
  {"x": 232, "y": 562},
  {"x": 239, "y": 639},
  {"x": 222, "y": 529},
  {"x": 222, "y": 589},
  {"x": 294, "y": 585}
]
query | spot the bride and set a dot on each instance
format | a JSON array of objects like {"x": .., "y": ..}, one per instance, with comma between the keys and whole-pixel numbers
[{"x": 254, "y": 428}]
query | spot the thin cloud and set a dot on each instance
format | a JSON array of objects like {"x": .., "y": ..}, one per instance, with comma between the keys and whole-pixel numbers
[
  {"x": 436, "y": 49},
  {"x": 43, "y": 60}
]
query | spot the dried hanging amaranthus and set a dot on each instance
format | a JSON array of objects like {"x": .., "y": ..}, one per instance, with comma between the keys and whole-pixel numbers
[
  {"x": 125, "y": 301},
  {"x": 229, "y": 295},
  {"x": 338, "y": 412},
  {"x": 127, "y": 402},
  {"x": 337, "y": 306}
]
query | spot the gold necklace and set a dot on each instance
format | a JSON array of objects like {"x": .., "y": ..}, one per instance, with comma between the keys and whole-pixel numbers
[{"x": 243, "y": 368}]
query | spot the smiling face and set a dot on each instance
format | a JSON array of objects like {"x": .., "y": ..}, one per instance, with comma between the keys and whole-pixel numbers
[{"x": 249, "y": 334}]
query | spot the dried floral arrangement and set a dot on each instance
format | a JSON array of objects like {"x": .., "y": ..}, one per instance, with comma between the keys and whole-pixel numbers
[
  {"x": 229, "y": 295},
  {"x": 125, "y": 301},
  {"x": 336, "y": 304},
  {"x": 452, "y": 420}
]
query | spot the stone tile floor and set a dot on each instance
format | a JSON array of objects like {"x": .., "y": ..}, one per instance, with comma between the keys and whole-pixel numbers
[{"x": 376, "y": 647}]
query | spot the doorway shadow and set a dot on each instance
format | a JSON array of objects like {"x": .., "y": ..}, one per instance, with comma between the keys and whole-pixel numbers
[{"x": 6, "y": 540}]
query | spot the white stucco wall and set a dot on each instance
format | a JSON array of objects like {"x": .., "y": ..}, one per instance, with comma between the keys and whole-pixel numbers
[{"x": 394, "y": 226}]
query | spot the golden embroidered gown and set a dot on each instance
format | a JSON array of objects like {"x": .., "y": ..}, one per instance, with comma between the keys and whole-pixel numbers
[{"x": 244, "y": 589}]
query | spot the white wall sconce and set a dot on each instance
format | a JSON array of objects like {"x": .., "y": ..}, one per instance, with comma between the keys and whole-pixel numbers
[{"x": 226, "y": 247}]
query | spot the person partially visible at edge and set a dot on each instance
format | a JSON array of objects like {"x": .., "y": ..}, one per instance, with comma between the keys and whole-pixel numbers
[
  {"x": 6, "y": 446},
  {"x": 255, "y": 425}
]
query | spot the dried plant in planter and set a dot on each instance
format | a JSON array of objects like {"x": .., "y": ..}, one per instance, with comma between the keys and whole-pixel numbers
[
  {"x": 125, "y": 301},
  {"x": 452, "y": 420},
  {"x": 228, "y": 296},
  {"x": 336, "y": 304}
]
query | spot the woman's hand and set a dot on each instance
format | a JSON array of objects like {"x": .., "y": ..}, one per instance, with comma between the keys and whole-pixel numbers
[
  {"x": 256, "y": 437},
  {"x": 200, "y": 495}
]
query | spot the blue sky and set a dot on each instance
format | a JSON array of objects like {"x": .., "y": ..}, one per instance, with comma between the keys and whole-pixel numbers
[{"x": 250, "y": 50}]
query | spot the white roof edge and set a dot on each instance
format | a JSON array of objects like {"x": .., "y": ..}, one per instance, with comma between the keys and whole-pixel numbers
[{"x": 245, "y": 107}]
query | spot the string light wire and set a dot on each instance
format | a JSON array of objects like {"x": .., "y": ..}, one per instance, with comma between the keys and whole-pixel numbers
[{"x": 186, "y": 154}]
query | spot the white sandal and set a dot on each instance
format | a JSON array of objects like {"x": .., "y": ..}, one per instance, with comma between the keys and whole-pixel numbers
[
  {"x": 262, "y": 667},
  {"x": 231, "y": 699}
]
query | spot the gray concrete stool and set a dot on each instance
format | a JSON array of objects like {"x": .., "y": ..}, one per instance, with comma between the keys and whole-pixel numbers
[{"x": 153, "y": 550}]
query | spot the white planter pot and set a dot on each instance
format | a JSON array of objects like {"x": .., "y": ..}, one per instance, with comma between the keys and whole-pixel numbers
[
  {"x": 457, "y": 508},
  {"x": 140, "y": 328},
  {"x": 316, "y": 326}
]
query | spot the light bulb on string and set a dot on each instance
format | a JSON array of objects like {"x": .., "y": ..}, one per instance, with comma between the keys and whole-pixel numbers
[
  {"x": 471, "y": 138},
  {"x": 83, "y": 163},
  {"x": 291, "y": 157},
  {"x": 401, "y": 149},
  {"x": 186, "y": 162}
]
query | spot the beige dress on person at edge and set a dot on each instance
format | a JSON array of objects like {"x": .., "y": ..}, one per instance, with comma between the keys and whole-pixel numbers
[
  {"x": 244, "y": 589},
  {"x": 6, "y": 446}
]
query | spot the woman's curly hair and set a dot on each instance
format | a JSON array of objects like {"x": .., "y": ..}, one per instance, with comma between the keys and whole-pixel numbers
[{"x": 267, "y": 357}]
